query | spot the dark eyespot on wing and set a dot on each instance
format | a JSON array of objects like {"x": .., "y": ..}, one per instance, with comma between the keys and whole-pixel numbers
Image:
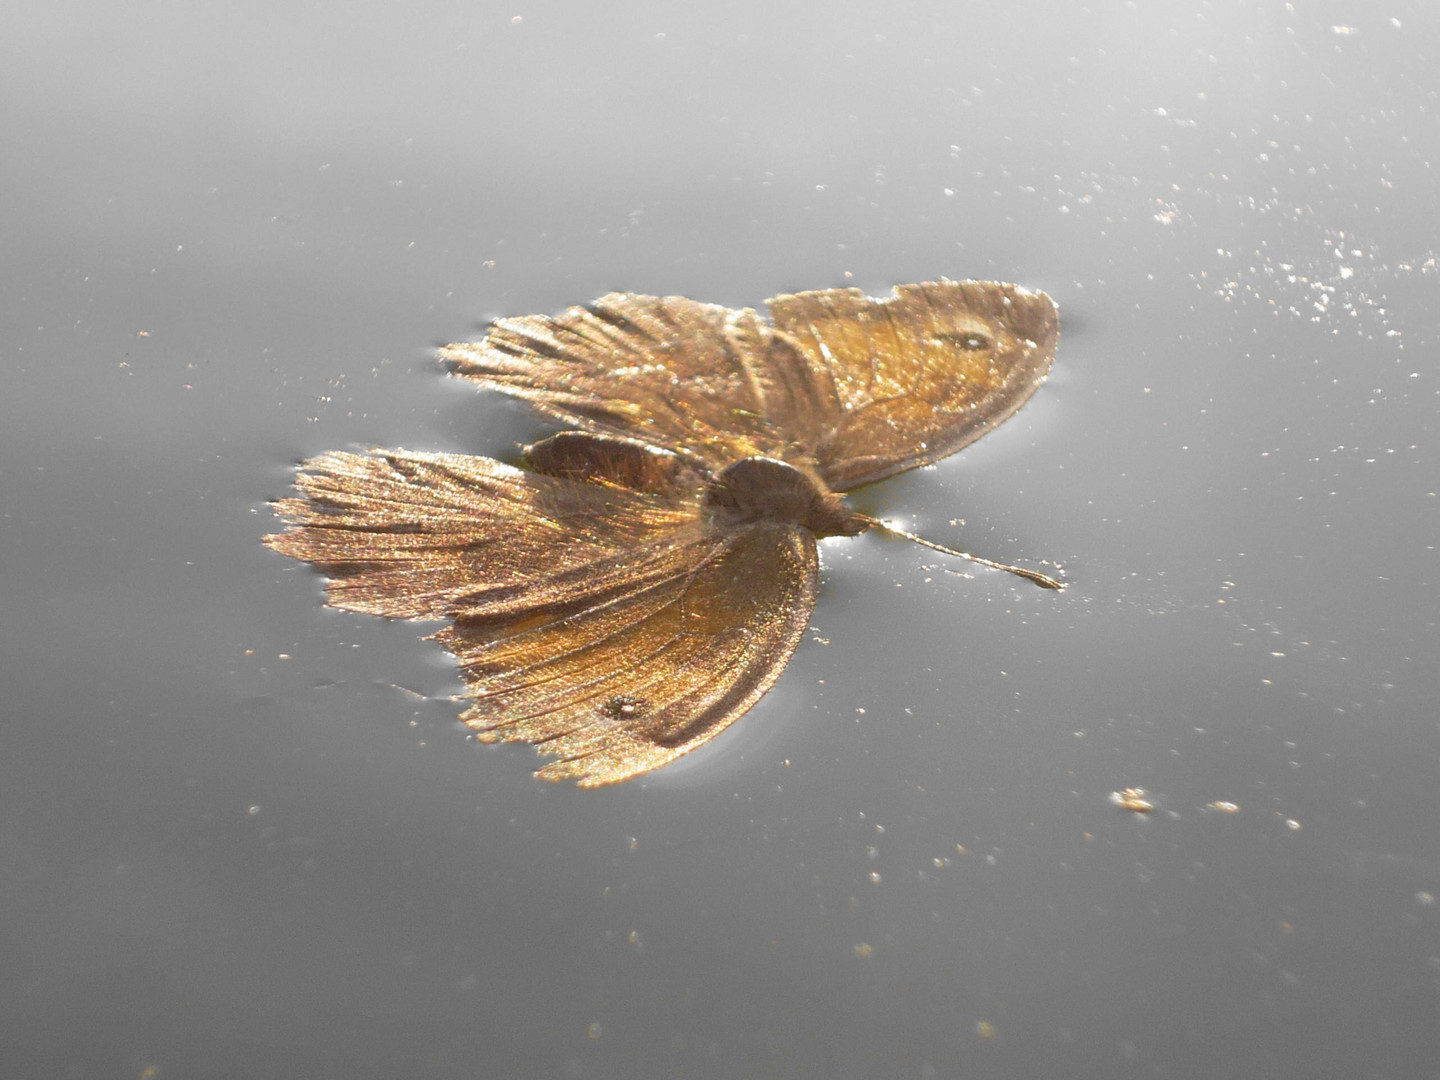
[
  {"x": 970, "y": 341},
  {"x": 623, "y": 707}
]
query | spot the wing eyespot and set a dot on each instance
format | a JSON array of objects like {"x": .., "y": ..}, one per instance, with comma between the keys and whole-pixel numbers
[
  {"x": 622, "y": 707},
  {"x": 965, "y": 341}
]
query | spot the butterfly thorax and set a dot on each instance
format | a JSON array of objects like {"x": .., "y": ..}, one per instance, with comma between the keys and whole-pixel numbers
[{"x": 767, "y": 489}]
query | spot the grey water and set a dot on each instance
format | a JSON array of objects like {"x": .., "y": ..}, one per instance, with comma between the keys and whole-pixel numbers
[{"x": 243, "y": 834}]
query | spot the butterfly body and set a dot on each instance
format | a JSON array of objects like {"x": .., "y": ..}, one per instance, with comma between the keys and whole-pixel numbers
[
  {"x": 766, "y": 489},
  {"x": 645, "y": 578}
]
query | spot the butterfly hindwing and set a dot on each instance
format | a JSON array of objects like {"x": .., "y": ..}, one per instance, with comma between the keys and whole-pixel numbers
[
  {"x": 595, "y": 611},
  {"x": 632, "y": 681}
]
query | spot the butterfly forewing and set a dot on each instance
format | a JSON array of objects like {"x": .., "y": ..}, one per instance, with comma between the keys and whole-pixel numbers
[
  {"x": 922, "y": 373},
  {"x": 863, "y": 387}
]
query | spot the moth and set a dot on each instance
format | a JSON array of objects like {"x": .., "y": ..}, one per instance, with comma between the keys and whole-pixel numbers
[{"x": 643, "y": 579}]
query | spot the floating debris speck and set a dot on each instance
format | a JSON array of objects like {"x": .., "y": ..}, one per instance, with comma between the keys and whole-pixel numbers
[{"x": 1134, "y": 799}]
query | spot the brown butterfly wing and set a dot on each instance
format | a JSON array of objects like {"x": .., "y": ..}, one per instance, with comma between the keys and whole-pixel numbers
[
  {"x": 862, "y": 387},
  {"x": 920, "y": 374},
  {"x": 597, "y": 612},
  {"x": 626, "y": 683},
  {"x": 414, "y": 535},
  {"x": 706, "y": 381}
]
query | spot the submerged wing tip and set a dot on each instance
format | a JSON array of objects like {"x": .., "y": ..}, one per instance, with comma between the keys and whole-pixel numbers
[
  {"x": 587, "y": 772},
  {"x": 291, "y": 513},
  {"x": 329, "y": 461},
  {"x": 563, "y": 769},
  {"x": 457, "y": 351}
]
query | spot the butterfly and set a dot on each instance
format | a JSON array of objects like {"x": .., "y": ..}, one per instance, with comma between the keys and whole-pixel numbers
[{"x": 644, "y": 578}]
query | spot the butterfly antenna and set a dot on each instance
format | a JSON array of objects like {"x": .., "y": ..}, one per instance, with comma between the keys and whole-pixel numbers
[{"x": 1019, "y": 571}]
